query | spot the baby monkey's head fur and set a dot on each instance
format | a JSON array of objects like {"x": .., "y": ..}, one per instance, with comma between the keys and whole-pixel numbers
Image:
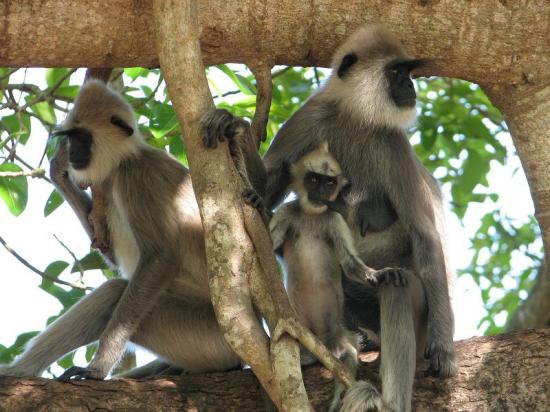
[
  {"x": 102, "y": 131},
  {"x": 371, "y": 78},
  {"x": 317, "y": 179}
]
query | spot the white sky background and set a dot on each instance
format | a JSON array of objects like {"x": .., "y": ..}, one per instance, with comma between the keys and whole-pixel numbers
[{"x": 24, "y": 307}]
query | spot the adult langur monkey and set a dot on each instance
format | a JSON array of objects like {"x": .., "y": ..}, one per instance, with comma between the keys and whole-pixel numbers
[
  {"x": 394, "y": 205},
  {"x": 163, "y": 301}
]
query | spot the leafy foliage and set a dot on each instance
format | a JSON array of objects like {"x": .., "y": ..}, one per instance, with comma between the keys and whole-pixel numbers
[{"x": 457, "y": 137}]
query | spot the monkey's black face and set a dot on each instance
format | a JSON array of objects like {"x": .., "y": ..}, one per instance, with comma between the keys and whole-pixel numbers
[
  {"x": 398, "y": 74},
  {"x": 320, "y": 188},
  {"x": 80, "y": 147}
]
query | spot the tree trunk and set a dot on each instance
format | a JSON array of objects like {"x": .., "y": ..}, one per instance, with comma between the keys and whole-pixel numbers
[{"x": 505, "y": 372}]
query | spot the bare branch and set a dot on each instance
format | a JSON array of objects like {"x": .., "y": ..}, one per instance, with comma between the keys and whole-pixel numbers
[
  {"x": 29, "y": 173},
  {"x": 264, "y": 91},
  {"x": 39, "y": 272}
]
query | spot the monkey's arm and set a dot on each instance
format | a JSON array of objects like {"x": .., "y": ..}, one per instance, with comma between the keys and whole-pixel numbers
[
  {"x": 220, "y": 124},
  {"x": 352, "y": 265},
  {"x": 279, "y": 227},
  {"x": 77, "y": 198}
]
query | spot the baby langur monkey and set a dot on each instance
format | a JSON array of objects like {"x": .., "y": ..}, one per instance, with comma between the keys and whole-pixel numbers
[{"x": 316, "y": 243}]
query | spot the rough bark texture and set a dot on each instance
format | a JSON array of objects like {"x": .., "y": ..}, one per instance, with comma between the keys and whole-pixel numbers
[
  {"x": 495, "y": 41},
  {"x": 505, "y": 372}
]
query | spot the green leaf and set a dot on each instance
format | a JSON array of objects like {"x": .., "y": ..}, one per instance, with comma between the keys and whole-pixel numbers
[
  {"x": 45, "y": 111},
  {"x": 55, "y": 75},
  {"x": 18, "y": 126},
  {"x": 90, "y": 351},
  {"x": 244, "y": 86},
  {"x": 7, "y": 354},
  {"x": 53, "y": 202},
  {"x": 55, "y": 268},
  {"x": 135, "y": 72},
  {"x": 14, "y": 191},
  {"x": 92, "y": 260}
]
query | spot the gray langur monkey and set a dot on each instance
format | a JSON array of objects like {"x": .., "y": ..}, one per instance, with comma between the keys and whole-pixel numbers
[
  {"x": 395, "y": 210},
  {"x": 163, "y": 301},
  {"x": 310, "y": 233}
]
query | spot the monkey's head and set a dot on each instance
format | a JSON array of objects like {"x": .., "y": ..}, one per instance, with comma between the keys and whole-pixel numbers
[
  {"x": 102, "y": 131},
  {"x": 317, "y": 179},
  {"x": 371, "y": 78}
]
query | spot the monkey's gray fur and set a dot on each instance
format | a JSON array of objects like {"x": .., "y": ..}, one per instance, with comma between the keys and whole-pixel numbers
[
  {"x": 163, "y": 304},
  {"x": 395, "y": 210},
  {"x": 317, "y": 245}
]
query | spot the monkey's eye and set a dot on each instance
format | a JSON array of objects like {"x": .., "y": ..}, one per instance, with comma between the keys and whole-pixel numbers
[
  {"x": 331, "y": 183},
  {"x": 394, "y": 72},
  {"x": 313, "y": 179}
]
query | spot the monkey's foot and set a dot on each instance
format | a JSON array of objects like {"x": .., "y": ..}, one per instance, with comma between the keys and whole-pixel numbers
[
  {"x": 78, "y": 373},
  {"x": 388, "y": 276},
  {"x": 253, "y": 198},
  {"x": 442, "y": 359}
]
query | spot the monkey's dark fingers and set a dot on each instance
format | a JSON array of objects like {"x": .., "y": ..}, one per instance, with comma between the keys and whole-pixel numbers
[
  {"x": 76, "y": 373},
  {"x": 215, "y": 125}
]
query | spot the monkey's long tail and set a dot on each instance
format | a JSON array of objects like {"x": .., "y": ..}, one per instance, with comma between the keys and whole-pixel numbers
[{"x": 362, "y": 397}]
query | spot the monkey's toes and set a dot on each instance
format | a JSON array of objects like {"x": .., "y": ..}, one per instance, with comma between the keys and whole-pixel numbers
[
  {"x": 78, "y": 373},
  {"x": 442, "y": 361},
  {"x": 253, "y": 198}
]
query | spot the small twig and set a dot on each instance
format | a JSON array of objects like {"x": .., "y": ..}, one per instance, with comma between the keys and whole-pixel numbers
[
  {"x": 76, "y": 260},
  {"x": 39, "y": 272},
  {"x": 153, "y": 93},
  {"x": 28, "y": 173},
  {"x": 316, "y": 74},
  {"x": 28, "y": 166}
]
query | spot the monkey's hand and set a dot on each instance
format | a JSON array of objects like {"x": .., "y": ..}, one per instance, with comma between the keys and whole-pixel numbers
[
  {"x": 357, "y": 271},
  {"x": 388, "y": 276},
  {"x": 218, "y": 125},
  {"x": 78, "y": 373}
]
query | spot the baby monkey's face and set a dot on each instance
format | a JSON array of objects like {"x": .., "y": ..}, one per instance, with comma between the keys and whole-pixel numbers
[{"x": 321, "y": 188}]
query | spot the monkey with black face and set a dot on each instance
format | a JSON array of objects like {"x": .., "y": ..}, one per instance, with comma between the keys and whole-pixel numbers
[
  {"x": 317, "y": 245},
  {"x": 163, "y": 302},
  {"x": 394, "y": 204}
]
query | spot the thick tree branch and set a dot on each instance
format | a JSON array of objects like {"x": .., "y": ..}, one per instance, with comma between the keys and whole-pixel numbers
[
  {"x": 491, "y": 41},
  {"x": 505, "y": 372},
  {"x": 534, "y": 312}
]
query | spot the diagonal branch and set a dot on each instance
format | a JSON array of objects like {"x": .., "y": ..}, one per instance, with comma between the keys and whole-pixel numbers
[{"x": 37, "y": 271}]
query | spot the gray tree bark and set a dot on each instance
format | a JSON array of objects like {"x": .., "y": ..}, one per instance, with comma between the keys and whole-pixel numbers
[{"x": 501, "y": 373}]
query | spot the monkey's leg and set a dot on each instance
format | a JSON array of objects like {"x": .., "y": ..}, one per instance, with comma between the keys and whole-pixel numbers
[
  {"x": 82, "y": 324},
  {"x": 185, "y": 332},
  {"x": 400, "y": 309},
  {"x": 348, "y": 358},
  {"x": 149, "y": 280}
]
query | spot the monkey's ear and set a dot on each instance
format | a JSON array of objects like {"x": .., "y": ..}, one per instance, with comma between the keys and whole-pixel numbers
[
  {"x": 349, "y": 60},
  {"x": 117, "y": 121}
]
